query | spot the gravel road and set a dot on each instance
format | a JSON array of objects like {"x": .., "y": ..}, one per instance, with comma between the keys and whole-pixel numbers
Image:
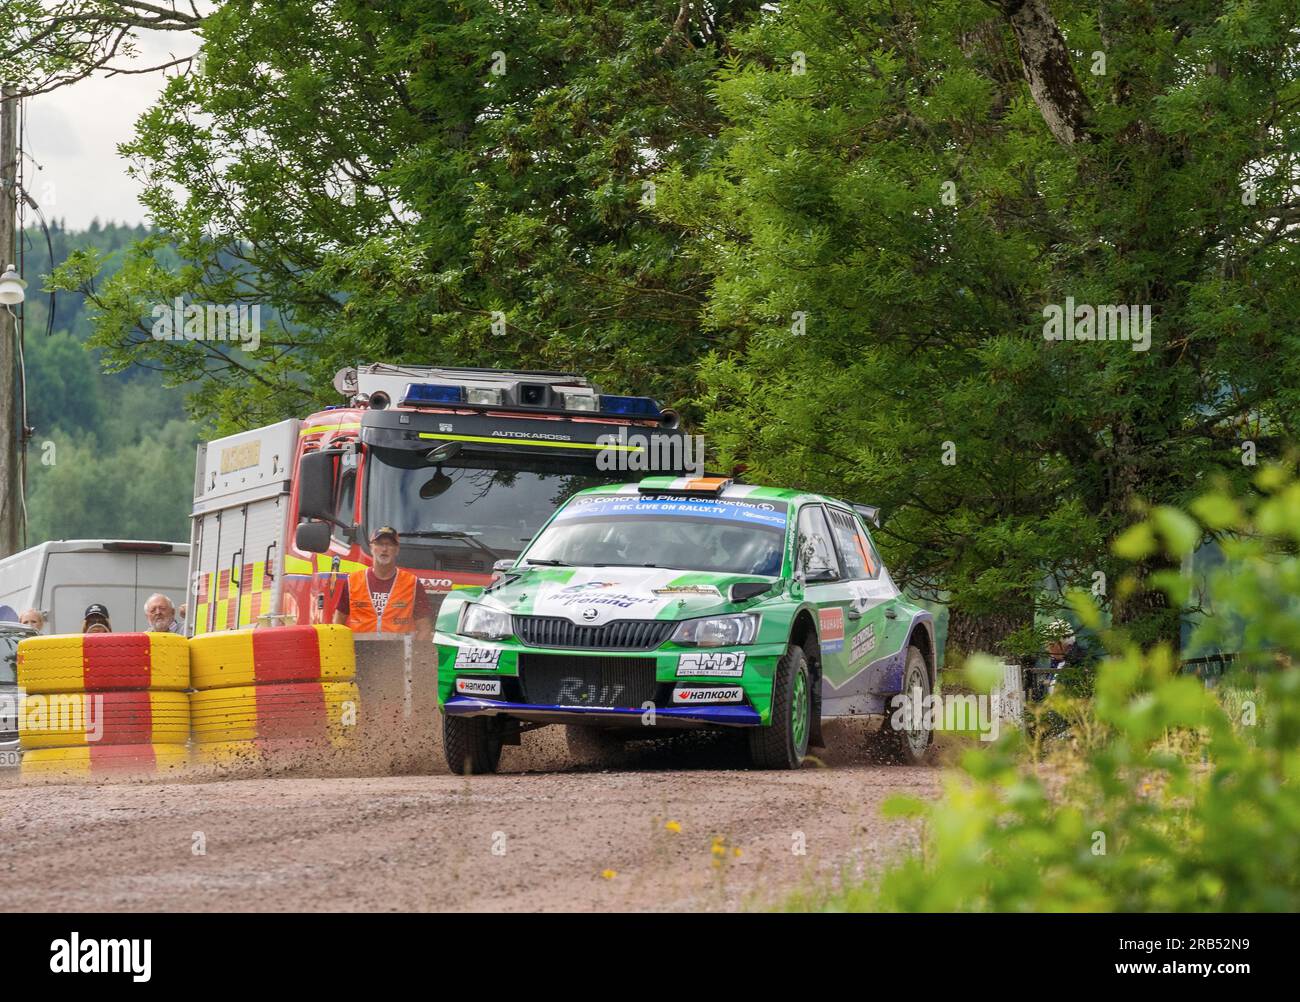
[{"x": 525, "y": 839}]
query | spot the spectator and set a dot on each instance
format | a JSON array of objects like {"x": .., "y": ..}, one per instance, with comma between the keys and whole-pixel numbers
[
  {"x": 96, "y": 620},
  {"x": 161, "y": 614},
  {"x": 33, "y": 618},
  {"x": 384, "y": 598}
]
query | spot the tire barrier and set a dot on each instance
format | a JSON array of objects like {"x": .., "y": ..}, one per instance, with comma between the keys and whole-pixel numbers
[
  {"x": 100, "y": 662},
  {"x": 104, "y": 704},
  {"x": 273, "y": 697},
  {"x": 105, "y": 760},
  {"x": 101, "y": 719},
  {"x": 282, "y": 654},
  {"x": 320, "y": 711},
  {"x": 114, "y": 704}
]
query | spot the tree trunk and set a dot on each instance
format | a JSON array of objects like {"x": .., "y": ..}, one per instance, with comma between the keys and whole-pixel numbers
[
  {"x": 1050, "y": 74},
  {"x": 986, "y": 633}
]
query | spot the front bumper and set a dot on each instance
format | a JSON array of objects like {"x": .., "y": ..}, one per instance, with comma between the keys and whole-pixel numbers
[
  {"x": 666, "y": 716},
  {"x": 750, "y": 668}
]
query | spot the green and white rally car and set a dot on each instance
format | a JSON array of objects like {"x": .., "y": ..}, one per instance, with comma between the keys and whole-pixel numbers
[{"x": 685, "y": 602}]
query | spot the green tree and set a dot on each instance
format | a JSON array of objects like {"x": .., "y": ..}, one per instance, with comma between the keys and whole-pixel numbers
[
  {"x": 1180, "y": 798},
  {"x": 389, "y": 178},
  {"x": 936, "y": 178}
]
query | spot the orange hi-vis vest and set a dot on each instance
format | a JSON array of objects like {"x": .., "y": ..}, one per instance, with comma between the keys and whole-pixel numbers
[{"x": 396, "y": 617}]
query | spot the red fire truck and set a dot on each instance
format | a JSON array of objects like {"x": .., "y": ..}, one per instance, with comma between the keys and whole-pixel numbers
[{"x": 465, "y": 463}]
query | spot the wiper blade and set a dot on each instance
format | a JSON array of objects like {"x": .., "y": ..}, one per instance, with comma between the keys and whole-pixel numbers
[
  {"x": 542, "y": 561},
  {"x": 440, "y": 534}
]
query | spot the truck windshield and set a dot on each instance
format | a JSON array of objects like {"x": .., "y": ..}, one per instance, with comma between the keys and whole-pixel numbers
[
  {"x": 468, "y": 513},
  {"x": 720, "y": 536}
]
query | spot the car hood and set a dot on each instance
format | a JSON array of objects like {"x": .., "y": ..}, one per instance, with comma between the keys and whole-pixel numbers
[{"x": 593, "y": 596}]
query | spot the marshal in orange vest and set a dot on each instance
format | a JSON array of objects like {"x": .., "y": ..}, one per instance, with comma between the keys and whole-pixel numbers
[{"x": 398, "y": 612}]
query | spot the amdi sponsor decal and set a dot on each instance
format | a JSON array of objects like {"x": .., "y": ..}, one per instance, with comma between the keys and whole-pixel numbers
[
  {"x": 719, "y": 663},
  {"x": 473, "y": 658}
]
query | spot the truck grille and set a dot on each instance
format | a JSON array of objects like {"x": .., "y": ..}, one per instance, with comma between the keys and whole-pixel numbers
[
  {"x": 556, "y": 680},
  {"x": 622, "y": 635}
]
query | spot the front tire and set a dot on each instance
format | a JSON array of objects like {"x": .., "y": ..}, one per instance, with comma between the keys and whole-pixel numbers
[
  {"x": 784, "y": 742},
  {"x": 471, "y": 745}
]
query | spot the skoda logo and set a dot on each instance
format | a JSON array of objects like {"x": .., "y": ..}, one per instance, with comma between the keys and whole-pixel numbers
[{"x": 589, "y": 614}]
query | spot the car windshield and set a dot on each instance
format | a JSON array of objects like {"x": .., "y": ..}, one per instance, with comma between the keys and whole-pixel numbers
[
  {"x": 468, "y": 513},
  {"x": 716, "y": 535}
]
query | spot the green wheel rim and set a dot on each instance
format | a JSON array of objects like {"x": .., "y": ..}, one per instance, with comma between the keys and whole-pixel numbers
[{"x": 799, "y": 710}]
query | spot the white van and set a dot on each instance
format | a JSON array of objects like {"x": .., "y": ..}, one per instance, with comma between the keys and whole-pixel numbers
[{"x": 62, "y": 577}]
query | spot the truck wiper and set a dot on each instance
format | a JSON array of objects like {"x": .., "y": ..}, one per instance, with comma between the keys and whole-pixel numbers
[
  {"x": 543, "y": 561},
  {"x": 469, "y": 537}
]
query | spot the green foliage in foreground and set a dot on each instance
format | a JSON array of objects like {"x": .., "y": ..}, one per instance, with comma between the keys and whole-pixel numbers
[{"x": 1171, "y": 796}]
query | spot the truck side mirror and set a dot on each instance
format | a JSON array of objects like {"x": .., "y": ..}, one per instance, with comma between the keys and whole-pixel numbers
[
  {"x": 316, "y": 484},
  {"x": 312, "y": 537}
]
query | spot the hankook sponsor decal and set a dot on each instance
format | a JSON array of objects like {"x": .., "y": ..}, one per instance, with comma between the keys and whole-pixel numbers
[
  {"x": 479, "y": 686},
  {"x": 710, "y": 694}
]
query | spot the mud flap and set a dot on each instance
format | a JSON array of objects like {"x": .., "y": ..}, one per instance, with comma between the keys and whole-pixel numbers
[{"x": 815, "y": 739}]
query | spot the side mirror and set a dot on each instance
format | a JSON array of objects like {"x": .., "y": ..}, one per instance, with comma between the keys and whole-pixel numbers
[
  {"x": 501, "y": 566},
  {"x": 312, "y": 537},
  {"x": 316, "y": 484}
]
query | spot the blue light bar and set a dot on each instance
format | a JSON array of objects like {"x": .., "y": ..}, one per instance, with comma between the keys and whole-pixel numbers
[
  {"x": 629, "y": 406},
  {"x": 431, "y": 393}
]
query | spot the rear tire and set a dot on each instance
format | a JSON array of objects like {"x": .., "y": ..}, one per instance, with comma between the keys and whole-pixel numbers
[
  {"x": 471, "y": 745},
  {"x": 906, "y": 745},
  {"x": 784, "y": 742}
]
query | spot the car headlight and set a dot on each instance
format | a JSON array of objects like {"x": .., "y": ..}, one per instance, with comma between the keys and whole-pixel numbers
[
  {"x": 718, "y": 631},
  {"x": 485, "y": 623}
]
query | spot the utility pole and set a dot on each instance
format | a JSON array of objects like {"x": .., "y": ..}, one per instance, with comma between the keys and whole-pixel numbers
[{"x": 10, "y": 419}]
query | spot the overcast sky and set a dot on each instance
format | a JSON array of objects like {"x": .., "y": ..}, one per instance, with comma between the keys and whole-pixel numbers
[{"x": 73, "y": 135}]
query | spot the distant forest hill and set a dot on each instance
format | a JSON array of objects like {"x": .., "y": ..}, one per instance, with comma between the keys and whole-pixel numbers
[{"x": 112, "y": 454}]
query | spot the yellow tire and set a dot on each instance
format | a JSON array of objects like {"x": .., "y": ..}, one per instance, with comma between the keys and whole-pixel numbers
[
  {"x": 104, "y": 662},
  {"x": 107, "y": 760},
  {"x": 274, "y": 655},
  {"x": 70, "y": 719},
  {"x": 324, "y": 712}
]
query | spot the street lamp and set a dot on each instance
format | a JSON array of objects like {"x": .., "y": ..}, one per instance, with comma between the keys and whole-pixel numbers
[{"x": 11, "y": 288}]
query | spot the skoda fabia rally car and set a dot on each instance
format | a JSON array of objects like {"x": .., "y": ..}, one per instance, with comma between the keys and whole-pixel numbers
[{"x": 685, "y": 603}]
